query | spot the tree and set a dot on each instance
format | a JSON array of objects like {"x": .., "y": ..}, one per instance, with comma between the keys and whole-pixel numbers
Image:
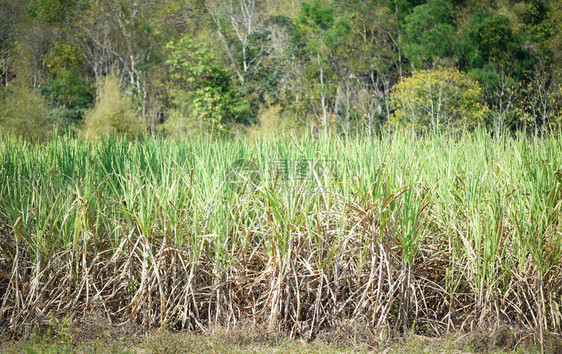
[
  {"x": 69, "y": 88},
  {"x": 10, "y": 13},
  {"x": 430, "y": 31},
  {"x": 239, "y": 25},
  {"x": 542, "y": 98},
  {"x": 437, "y": 99},
  {"x": 54, "y": 12},
  {"x": 489, "y": 41},
  {"x": 319, "y": 33},
  {"x": 368, "y": 64},
  {"x": 127, "y": 35},
  {"x": 255, "y": 37},
  {"x": 555, "y": 24},
  {"x": 329, "y": 63},
  {"x": 201, "y": 90},
  {"x": 499, "y": 59}
]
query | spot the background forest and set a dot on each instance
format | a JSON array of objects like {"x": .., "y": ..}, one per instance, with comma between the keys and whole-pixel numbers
[{"x": 180, "y": 67}]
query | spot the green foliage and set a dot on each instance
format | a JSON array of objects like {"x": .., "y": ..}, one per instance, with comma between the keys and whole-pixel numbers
[
  {"x": 320, "y": 29},
  {"x": 430, "y": 31},
  {"x": 113, "y": 112},
  {"x": 68, "y": 88},
  {"x": 555, "y": 25},
  {"x": 212, "y": 66},
  {"x": 24, "y": 113},
  {"x": 317, "y": 15},
  {"x": 203, "y": 91},
  {"x": 11, "y": 13},
  {"x": 323, "y": 46},
  {"x": 438, "y": 99},
  {"x": 500, "y": 51},
  {"x": 490, "y": 40},
  {"x": 52, "y": 11}
]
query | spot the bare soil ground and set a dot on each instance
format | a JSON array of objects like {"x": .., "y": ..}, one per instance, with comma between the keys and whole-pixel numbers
[{"x": 95, "y": 335}]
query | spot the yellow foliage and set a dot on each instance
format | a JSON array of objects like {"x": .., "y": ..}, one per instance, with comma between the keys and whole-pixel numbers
[
  {"x": 113, "y": 112},
  {"x": 442, "y": 98},
  {"x": 272, "y": 121},
  {"x": 179, "y": 124},
  {"x": 24, "y": 113}
]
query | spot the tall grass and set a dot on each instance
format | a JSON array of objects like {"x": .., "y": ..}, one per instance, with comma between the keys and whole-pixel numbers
[{"x": 435, "y": 234}]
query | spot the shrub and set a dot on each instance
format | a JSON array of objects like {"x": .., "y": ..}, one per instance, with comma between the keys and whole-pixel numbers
[
  {"x": 272, "y": 120},
  {"x": 24, "y": 113},
  {"x": 113, "y": 112}
]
